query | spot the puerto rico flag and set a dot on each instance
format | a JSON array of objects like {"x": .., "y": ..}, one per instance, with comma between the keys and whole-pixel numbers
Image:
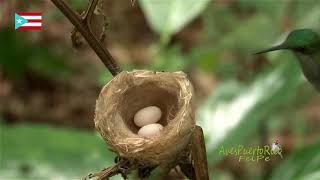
[{"x": 28, "y": 21}]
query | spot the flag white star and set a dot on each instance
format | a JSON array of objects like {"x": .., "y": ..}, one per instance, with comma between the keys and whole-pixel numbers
[{"x": 19, "y": 21}]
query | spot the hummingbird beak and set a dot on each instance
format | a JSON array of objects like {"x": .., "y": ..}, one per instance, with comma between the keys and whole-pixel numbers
[{"x": 279, "y": 47}]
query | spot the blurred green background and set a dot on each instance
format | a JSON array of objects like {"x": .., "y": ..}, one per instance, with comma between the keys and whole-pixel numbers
[{"x": 48, "y": 88}]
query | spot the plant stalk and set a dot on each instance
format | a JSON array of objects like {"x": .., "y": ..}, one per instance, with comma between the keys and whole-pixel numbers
[{"x": 85, "y": 31}]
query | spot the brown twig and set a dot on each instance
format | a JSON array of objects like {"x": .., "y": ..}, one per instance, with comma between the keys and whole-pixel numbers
[
  {"x": 84, "y": 29},
  {"x": 199, "y": 155},
  {"x": 86, "y": 18},
  {"x": 196, "y": 168},
  {"x": 88, "y": 14},
  {"x": 123, "y": 167}
]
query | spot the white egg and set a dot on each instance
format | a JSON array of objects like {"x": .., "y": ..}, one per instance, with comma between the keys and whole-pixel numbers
[
  {"x": 147, "y": 115},
  {"x": 150, "y": 130}
]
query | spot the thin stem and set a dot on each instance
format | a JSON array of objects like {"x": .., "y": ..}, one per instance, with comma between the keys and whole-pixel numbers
[
  {"x": 90, "y": 11},
  {"x": 85, "y": 31}
]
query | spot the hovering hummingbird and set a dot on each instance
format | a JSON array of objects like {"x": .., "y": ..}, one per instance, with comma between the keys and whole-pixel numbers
[{"x": 305, "y": 44}]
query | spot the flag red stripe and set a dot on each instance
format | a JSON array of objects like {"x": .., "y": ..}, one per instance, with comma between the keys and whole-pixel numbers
[
  {"x": 29, "y": 28},
  {"x": 29, "y": 13},
  {"x": 34, "y": 20}
]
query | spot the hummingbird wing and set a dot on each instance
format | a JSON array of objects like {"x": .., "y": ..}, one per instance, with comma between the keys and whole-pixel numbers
[{"x": 310, "y": 64}]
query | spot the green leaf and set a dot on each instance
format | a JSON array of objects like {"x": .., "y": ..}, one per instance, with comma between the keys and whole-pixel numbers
[
  {"x": 167, "y": 17},
  {"x": 44, "y": 152},
  {"x": 301, "y": 164},
  {"x": 233, "y": 111}
]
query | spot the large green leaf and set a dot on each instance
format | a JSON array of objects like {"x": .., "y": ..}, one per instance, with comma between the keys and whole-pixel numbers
[
  {"x": 302, "y": 164},
  {"x": 167, "y": 17},
  {"x": 43, "y": 152},
  {"x": 233, "y": 112}
]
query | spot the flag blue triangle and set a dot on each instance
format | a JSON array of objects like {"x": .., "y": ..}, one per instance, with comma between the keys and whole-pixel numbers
[{"x": 19, "y": 21}]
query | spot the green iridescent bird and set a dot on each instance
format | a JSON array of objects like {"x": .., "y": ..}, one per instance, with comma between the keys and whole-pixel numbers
[{"x": 305, "y": 44}]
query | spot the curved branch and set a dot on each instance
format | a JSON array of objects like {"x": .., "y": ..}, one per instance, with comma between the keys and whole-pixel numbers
[{"x": 94, "y": 43}]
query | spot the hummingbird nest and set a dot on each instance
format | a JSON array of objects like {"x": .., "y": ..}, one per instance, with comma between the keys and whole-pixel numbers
[{"x": 127, "y": 93}]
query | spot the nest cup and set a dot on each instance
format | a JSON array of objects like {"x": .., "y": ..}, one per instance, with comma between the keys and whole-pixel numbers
[{"x": 129, "y": 92}]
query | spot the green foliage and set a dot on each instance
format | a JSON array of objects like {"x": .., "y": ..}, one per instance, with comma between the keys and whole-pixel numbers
[
  {"x": 274, "y": 9},
  {"x": 44, "y": 152},
  {"x": 233, "y": 112},
  {"x": 167, "y": 17},
  {"x": 169, "y": 59},
  {"x": 19, "y": 58},
  {"x": 103, "y": 76},
  {"x": 235, "y": 41},
  {"x": 300, "y": 165},
  {"x": 309, "y": 19}
]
